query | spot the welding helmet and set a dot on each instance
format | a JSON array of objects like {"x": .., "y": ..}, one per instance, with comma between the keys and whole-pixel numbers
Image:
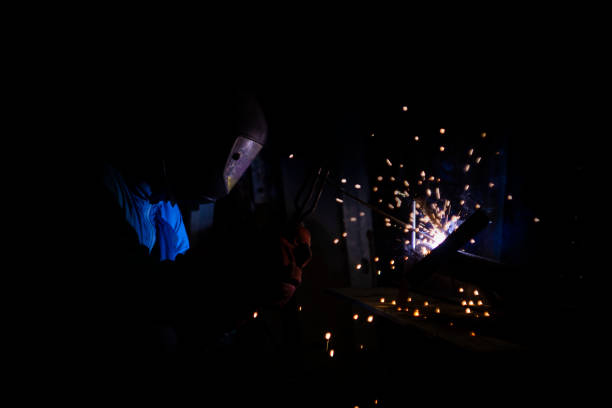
[{"x": 227, "y": 131}]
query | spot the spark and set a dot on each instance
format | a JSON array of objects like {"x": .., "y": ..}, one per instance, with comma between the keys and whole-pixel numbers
[
  {"x": 327, "y": 336},
  {"x": 255, "y": 315},
  {"x": 339, "y": 200},
  {"x": 376, "y": 259},
  {"x": 355, "y": 317},
  {"x": 331, "y": 352},
  {"x": 382, "y": 300},
  {"x": 404, "y": 108},
  {"x": 374, "y": 189},
  {"x": 442, "y": 131},
  {"x": 470, "y": 152},
  {"x": 467, "y": 310},
  {"x": 344, "y": 234},
  {"x": 357, "y": 186},
  {"x": 478, "y": 159},
  {"x": 358, "y": 266},
  {"x": 466, "y": 168},
  {"x": 416, "y": 313},
  {"x": 336, "y": 241},
  {"x": 389, "y": 162},
  {"x": 467, "y": 187},
  {"x": 416, "y": 138},
  {"x": 483, "y": 134},
  {"x": 509, "y": 197},
  {"x": 343, "y": 181},
  {"x": 536, "y": 219},
  {"x": 291, "y": 156},
  {"x": 370, "y": 319},
  {"x": 379, "y": 178},
  {"x": 491, "y": 185},
  {"x": 441, "y": 148},
  {"x": 476, "y": 293}
]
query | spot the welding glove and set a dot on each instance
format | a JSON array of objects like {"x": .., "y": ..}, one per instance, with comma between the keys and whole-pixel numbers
[{"x": 295, "y": 255}]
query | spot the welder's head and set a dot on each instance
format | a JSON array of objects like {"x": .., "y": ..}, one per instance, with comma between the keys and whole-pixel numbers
[{"x": 225, "y": 134}]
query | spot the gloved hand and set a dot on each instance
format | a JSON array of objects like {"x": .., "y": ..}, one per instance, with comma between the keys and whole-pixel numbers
[{"x": 295, "y": 255}]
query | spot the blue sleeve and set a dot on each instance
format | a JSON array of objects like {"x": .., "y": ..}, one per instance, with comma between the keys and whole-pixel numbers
[{"x": 171, "y": 214}]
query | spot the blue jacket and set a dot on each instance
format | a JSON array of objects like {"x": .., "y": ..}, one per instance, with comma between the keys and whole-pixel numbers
[{"x": 153, "y": 222}]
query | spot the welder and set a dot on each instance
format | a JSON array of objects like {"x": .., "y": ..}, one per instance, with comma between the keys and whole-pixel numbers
[{"x": 152, "y": 292}]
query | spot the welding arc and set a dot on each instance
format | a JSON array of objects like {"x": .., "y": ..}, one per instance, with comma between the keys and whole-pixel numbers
[{"x": 370, "y": 206}]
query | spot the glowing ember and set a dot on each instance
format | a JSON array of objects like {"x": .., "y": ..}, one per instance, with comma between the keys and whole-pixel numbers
[
  {"x": 441, "y": 148},
  {"x": 291, "y": 156},
  {"x": 416, "y": 313},
  {"x": 357, "y": 186},
  {"x": 370, "y": 319},
  {"x": 255, "y": 315},
  {"x": 382, "y": 300},
  {"x": 336, "y": 240},
  {"x": 376, "y": 259},
  {"x": 355, "y": 317},
  {"x": 389, "y": 162},
  {"x": 476, "y": 293},
  {"x": 442, "y": 131},
  {"x": 327, "y": 336},
  {"x": 358, "y": 266},
  {"x": 344, "y": 234},
  {"x": 467, "y": 310},
  {"x": 509, "y": 197},
  {"x": 536, "y": 219},
  {"x": 339, "y": 200},
  {"x": 437, "y": 310},
  {"x": 416, "y": 138},
  {"x": 404, "y": 108},
  {"x": 331, "y": 352}
]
